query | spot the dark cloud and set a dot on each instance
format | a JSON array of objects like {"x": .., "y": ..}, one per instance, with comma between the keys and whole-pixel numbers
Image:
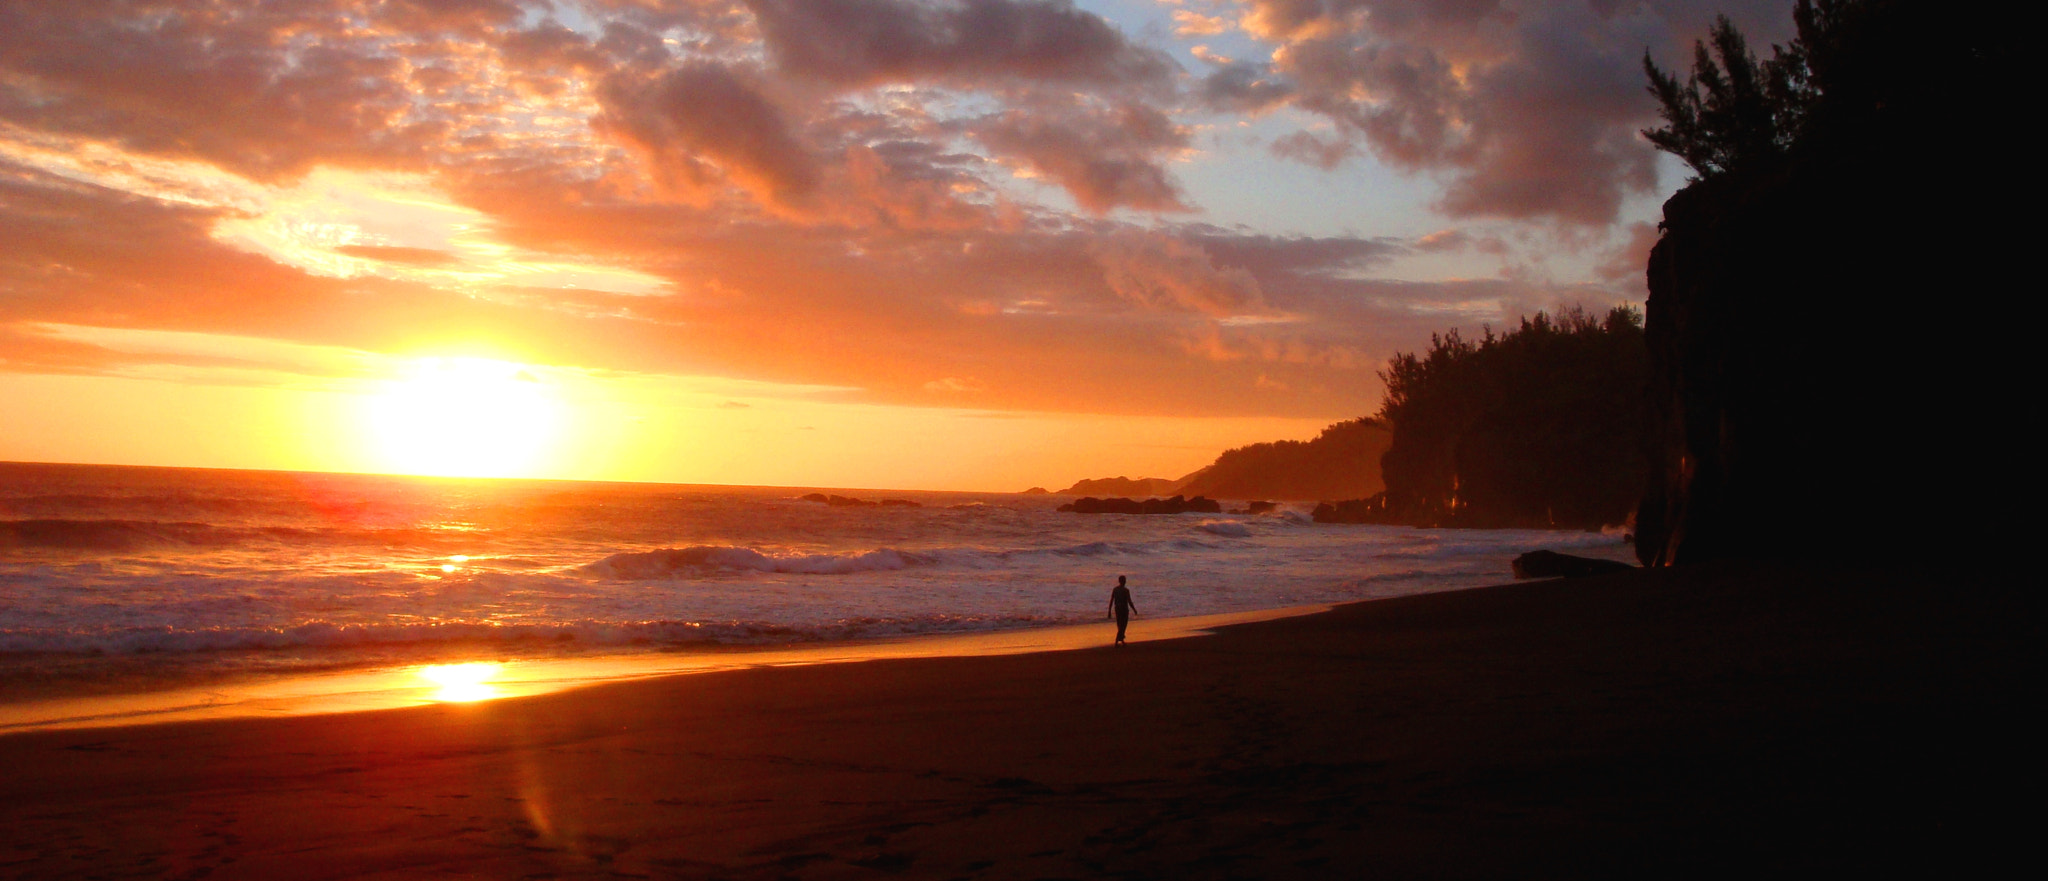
[
  {"x": 267, "y": 91},
  {"x": 1241, "y": 87},
  {"x": 1105, "y": 158},
  {"x": 1529, "y": 108},
  {"x": 702, "y": 124},
  {"x": 860, "y": 42},
  {"x": 1325, "y": 153}
]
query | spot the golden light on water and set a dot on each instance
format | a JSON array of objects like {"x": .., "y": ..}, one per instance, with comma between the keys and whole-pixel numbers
[{"x": 461, "y": 683}]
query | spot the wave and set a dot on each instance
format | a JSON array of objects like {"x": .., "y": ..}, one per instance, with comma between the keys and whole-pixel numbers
[
  {"x": 590, "y": 633},
  {"x": 1225, "y": 528},
  {"x": 710, "y": 559},
  {"x": 668, "y": 562},
  {"x": 135, "y": 535}
]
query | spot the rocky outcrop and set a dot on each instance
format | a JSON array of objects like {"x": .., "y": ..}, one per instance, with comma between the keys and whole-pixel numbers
[
  {"x": 838, "y": 501},
  {"x": 1175, "y": 505},
  {"x": 1551, "y": 564},
  {"x": 1122, "y": 486},
  {"x": 1372, "y": 510}
]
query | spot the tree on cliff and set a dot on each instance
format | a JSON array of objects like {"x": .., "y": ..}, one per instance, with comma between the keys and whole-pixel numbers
[
  {"x": 1734, "y": 111},
  {"x": 1540, "y": 426}
]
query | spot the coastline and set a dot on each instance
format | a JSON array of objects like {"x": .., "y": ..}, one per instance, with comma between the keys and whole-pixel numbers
[
  {"x": 387, "y": 687},
  {"x": 1706, "y": 722}
]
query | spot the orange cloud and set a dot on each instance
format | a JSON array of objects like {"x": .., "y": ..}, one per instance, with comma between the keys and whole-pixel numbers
[{"x": 816, "y": 194}]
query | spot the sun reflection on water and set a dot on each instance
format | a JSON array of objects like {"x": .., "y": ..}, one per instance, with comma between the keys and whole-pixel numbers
[{"x": 461, "y": 683}]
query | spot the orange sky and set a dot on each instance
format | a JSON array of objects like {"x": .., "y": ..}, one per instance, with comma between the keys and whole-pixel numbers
[{"x": 983, "y": 244}]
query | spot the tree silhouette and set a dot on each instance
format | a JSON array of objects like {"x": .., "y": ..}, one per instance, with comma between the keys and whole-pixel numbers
[
  {"x": 1733, "y": 111},
  {"x": 1341, "y": 463},
  {"x": 1541, "y": 426}
]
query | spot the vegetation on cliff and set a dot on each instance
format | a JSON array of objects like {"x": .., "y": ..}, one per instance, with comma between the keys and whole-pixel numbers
[
  {"x": 1343, "y": 462},
  {"x": 1540, "y": 426},
  {"x": 1123, "y": 486}
]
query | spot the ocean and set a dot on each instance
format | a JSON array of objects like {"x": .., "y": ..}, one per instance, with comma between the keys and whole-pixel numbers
[{"x": 127, "y": 579}]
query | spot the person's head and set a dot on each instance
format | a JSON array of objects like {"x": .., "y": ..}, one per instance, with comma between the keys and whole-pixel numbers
[{"x": 1119, "y": 581}]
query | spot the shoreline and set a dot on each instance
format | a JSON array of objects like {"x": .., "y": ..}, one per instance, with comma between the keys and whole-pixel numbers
[
  {"x": 393, "y": 686},
  {"x": 1709, "y": 722}
]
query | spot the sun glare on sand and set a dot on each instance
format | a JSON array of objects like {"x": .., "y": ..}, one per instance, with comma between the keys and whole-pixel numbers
[
  {"x": 466, "y": 417},
  {"x": 461, "y": 683}
]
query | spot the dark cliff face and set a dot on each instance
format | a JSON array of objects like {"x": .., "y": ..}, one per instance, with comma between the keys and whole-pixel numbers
[{"x": 1840, "y": 340}]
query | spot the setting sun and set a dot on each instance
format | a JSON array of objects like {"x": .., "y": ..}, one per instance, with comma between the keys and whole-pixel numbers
[{"x": 466, "y": 417}]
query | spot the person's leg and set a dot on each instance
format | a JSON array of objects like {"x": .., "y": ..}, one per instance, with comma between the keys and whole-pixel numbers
[{"x": 1123, "y": 619}]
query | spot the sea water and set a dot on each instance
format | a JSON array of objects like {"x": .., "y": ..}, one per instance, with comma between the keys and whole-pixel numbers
[{"x": 118, "y": 579}]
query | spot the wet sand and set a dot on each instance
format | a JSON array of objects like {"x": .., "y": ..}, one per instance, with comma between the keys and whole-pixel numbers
[
  {"x": 1725, "y": 721},
  {"x": 411, "y": 685}
]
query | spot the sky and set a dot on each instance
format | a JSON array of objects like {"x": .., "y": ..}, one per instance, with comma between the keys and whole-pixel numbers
[{"x": 918, "y": 244}]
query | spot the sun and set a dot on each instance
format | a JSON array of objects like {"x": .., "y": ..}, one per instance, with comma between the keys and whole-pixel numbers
[{"x": 465, "y": 417}]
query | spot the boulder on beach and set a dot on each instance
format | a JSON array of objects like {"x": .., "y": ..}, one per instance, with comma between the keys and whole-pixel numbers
[{"x": 1551, "y": 564}]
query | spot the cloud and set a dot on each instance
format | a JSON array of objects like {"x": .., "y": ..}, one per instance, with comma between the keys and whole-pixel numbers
[
  {"x": 816, "y": 194},
  {"x": 1162, "y": 272},
  {"x": 1530, "y": 109},
  {"x": 1187, "y": 23},
  {"x": 267, "y": 92},
  {"x": 1106, "y": 158},
  {"x": 1627, "y": 264},
  {"x": 862, "y": 42},
  {"x": 1306, "y": 148},
  {"x": 955, "y": 385},
  {"x": 702, "y": 124},
  {"x": 1241, "y": 87},
  {"x": 395, "y": 254}
]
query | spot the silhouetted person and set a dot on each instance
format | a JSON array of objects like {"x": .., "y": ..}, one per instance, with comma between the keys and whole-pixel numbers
[{"x": 1121, "y": 606}]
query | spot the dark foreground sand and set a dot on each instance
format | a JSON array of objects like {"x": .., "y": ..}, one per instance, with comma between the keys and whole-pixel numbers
[{"x": 1716, "y": 723}]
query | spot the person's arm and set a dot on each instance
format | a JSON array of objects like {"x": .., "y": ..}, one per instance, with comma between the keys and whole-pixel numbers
[{"x": 1112, "y": 607}]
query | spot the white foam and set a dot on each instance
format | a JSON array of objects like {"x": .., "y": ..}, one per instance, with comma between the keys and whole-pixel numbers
[
  {"x": 1229, "y": 528},
  {"x": 671, "y": 562}
]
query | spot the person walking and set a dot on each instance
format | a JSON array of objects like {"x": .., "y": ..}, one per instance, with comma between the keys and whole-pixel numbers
[{"x": 1121, "y": 608}]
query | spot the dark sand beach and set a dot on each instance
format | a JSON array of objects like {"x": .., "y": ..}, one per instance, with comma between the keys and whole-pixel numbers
[{"x": 1714, "y": 722}]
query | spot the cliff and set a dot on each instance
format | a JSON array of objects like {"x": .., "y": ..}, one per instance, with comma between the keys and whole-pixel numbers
[{"x": 1802, "y": 309}]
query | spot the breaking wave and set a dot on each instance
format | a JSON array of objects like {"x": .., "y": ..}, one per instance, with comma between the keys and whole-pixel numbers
[
  {"x": 327, "y": 635},
  {"x": 152, "y": 535},
  {"x": 667, "y": 562}
]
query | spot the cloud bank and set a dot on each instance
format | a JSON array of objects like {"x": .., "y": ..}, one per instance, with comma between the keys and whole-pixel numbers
[{"x": 979, "y": 203}]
